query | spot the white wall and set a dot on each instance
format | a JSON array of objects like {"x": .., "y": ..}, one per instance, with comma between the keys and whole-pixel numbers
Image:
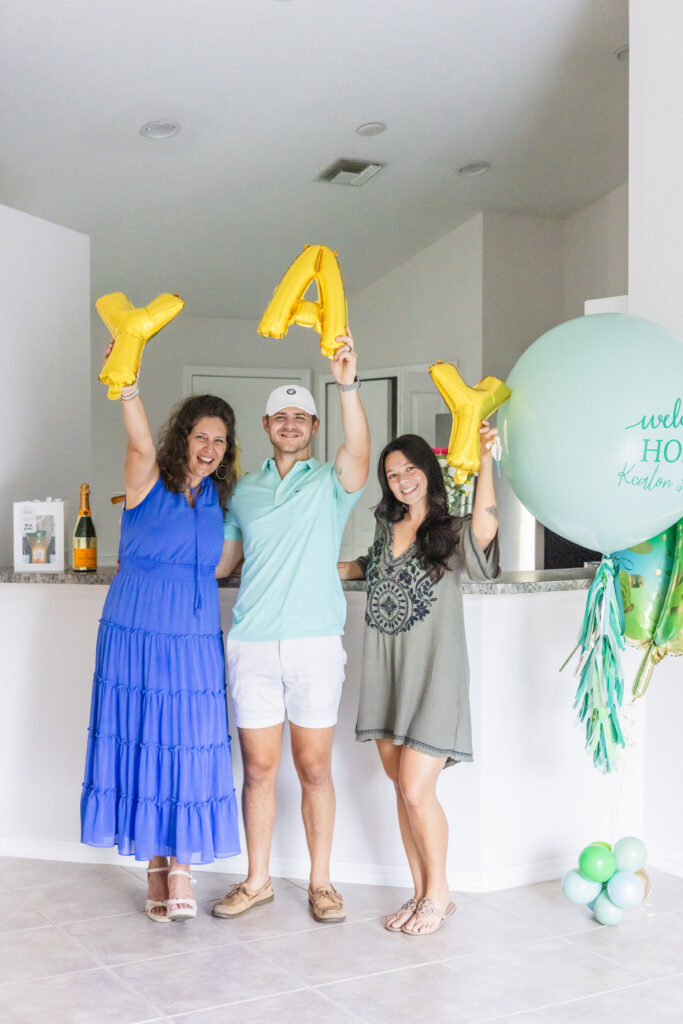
[
  {"x": 45, "y": 346},
  {"x": 596, "y": 251},
  {"x": 522, "y": 293},
  {"x": 522, "y": 298},
  {"x": 428, "y": 308},
  {"x": 655, "y": 292}
]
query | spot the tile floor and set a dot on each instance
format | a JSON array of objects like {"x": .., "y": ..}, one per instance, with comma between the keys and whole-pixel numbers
[{"x": 75, "y": 948}]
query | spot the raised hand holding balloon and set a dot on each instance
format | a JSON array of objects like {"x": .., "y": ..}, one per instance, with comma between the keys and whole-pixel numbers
[
  {"x": 131, "y": 329},
  {"x": 288, "y": 306},
  {"x": 469, "y": 408}
]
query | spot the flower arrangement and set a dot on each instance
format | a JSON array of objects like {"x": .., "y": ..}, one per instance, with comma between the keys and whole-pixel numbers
[{"x": 459, "y": 495}]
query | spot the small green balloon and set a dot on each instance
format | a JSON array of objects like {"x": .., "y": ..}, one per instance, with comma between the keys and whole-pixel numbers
[
  {"x": 597, "y": 863},
  {"x": 599, "y": 842}
]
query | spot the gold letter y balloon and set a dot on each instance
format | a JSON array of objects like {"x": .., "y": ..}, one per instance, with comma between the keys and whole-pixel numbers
[
  {"x": 469, "y": 406},
  {"x": 131, "y": 328},
  {"x": 288, "y": 306}
]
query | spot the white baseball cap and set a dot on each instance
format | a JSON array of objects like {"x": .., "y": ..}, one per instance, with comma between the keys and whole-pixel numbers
[{"x": 290, "y": 395}]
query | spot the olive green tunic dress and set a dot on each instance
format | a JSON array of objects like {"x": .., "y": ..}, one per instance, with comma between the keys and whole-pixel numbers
[{"x": 415, "y": 673}]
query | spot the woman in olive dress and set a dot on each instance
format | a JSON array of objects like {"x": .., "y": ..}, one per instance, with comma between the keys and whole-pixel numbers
[{"x": 415, "y": 677}]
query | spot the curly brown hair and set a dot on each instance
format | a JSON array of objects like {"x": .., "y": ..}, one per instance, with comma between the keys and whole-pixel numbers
[{"x": 172, "y": 447}]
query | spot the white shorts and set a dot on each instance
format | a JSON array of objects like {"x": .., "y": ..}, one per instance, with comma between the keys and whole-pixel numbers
[{"x": 299, "y": 679}]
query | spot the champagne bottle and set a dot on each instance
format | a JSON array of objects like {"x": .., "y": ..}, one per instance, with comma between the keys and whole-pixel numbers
[{"x": 85, "y": 538}]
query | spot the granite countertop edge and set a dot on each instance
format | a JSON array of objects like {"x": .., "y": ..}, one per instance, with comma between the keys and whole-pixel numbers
[{"x": 528, "y": 582}]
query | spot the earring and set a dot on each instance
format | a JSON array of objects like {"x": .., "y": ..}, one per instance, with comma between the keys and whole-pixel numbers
[{"x": 218, "y": 475}]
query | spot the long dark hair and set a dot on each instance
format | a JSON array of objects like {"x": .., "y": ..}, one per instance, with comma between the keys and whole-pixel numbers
[
  {"x": 434, "y": 539},
  {"x": 172, "y": 448}
]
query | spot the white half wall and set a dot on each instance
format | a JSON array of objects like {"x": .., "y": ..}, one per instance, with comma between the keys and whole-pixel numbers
[
  {"x": 519, "y": 814},
  {"x": 45, "y": 339}
]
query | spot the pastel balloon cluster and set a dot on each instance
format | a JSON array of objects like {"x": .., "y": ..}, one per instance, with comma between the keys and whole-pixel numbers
[{"x": 609, "y": 880}]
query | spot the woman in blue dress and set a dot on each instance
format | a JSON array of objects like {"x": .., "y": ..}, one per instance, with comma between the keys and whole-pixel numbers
[{"x": 158, "y": 773}]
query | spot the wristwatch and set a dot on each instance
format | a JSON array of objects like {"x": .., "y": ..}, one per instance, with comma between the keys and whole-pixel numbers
[{"x": 350, "y": 387}]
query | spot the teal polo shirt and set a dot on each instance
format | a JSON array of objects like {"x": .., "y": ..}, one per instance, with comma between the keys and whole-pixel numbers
[{"x": 291, "y": 531}]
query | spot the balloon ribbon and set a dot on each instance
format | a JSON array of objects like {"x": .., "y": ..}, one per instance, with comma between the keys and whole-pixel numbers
[{"x": 600, "y": 692}]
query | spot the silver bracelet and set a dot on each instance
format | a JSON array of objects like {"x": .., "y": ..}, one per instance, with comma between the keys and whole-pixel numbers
[
  {"x": 350, "y": 387},
  {"x": 127, "y": 398}
]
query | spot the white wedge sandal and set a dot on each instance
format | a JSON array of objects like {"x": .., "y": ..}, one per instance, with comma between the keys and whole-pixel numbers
[
  {"x": 185, "y": 907},
  {"x": 151, "y": 905}
]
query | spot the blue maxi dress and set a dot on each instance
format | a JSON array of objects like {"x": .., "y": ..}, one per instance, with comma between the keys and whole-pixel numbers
[{"x": 158, "y": 770}]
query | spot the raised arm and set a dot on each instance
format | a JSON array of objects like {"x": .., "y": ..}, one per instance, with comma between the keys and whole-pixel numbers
[
  {"x": 352, "y": 461},
  {"x": 140, "y": 469},
  {"x": 485, "y": 513}
]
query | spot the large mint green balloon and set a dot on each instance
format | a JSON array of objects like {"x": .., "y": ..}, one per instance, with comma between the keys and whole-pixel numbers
[{"x": 592, "y": 435}]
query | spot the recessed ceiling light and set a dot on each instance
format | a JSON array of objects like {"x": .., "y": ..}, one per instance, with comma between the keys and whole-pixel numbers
[
  {"x": 622, "y": 52},
  {"x": 160, "y": 129},
  {"x": 471, "y": 170},
  {"x": 371, "y": 128}
]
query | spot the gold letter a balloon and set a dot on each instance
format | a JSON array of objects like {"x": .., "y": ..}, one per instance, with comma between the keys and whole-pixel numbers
[
  {"x": 288, "y": 306},
  {"x": 131, "y": 329},
  {"x": 469, "y": 406}
]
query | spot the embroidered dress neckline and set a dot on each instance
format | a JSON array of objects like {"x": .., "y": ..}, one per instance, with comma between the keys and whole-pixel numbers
[{"x": 390, "y": 547}]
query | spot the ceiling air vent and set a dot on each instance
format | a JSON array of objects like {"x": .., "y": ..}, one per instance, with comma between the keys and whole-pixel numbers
[{"x": 349, "y": 172}]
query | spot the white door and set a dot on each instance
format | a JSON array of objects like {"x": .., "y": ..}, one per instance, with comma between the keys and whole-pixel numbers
[
  {"x": 246, "y": 390},
  {"x": 420, "y": 403}
]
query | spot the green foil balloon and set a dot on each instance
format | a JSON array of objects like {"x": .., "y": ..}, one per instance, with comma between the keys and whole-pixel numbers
[
  {"x": 668, "y": 634},
  {"x": 644, "y": 575},
  {"x": 597, "y": 863}
]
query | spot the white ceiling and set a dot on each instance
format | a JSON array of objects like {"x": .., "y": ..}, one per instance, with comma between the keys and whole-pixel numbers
[{"x": 268, "y": 93}]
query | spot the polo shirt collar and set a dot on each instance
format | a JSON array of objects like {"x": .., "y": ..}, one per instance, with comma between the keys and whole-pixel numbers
[{"x": 298, "y": 466}]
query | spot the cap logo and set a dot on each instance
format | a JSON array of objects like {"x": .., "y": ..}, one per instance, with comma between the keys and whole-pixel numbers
[{"x": 291, "y": 391}]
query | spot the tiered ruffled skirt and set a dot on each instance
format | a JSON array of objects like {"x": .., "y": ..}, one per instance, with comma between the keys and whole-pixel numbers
[{"x": 158, "y": 774}]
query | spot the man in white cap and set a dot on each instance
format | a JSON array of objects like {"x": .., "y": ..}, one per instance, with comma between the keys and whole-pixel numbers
[{"x": 285, "y": 655}]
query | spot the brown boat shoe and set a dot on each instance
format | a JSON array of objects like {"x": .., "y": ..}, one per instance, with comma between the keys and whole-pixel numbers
[
  {"x": 240, "y": 899},
  {"x": 326, "y": 904}
]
